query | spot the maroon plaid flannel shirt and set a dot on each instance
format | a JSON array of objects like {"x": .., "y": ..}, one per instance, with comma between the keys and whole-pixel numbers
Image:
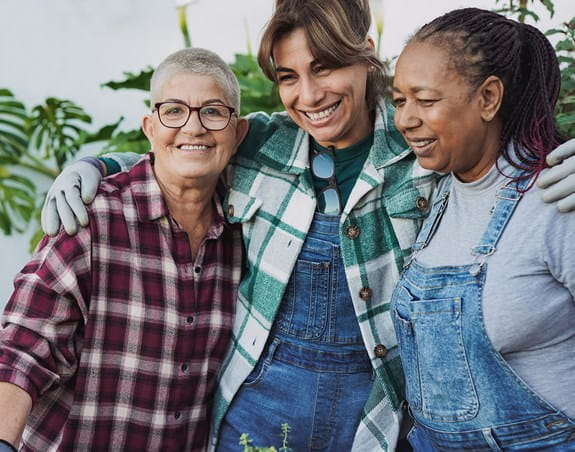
[{"x": 115, "y": 332}]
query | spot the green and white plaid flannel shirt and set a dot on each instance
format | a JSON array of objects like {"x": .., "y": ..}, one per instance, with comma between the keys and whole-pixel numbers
[{"x": 271, "y": 194}]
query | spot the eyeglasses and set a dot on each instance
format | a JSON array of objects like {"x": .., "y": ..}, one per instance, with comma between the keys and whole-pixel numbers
[
  {"x": 323, "y": 167},
  {"x": 176, "y": 114}
]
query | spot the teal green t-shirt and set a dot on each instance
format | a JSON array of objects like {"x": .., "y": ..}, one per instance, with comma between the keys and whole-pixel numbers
[{"x": 348, "y": 164}]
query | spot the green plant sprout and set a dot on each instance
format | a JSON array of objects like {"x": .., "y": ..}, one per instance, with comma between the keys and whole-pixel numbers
[{"x": 246, "y": 441}]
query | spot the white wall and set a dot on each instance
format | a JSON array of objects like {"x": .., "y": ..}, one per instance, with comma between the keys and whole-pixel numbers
[{"x": 67, "y": 48}]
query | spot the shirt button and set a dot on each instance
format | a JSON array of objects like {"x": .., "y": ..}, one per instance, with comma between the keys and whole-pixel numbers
[
  {"x": 184, "y": 367},
  {"x": 177, "y": 415},
  {"x": 352, "y": 231},
  {"x": 422, "y": 203},
  {"x": 198, "y": 269},
  {"x": 380, "y": 351},
  {"x": 230, "y": 210},
  {"x": 190, "y": 319},
  {"x": 365, "y": 293}
]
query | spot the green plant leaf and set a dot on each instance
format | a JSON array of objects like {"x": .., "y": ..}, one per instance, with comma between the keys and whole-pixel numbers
[
  {"x": 550, "y": 7},
  {"x": 105, "y": 133},
  {"x": 130, "y": 141},
  {"x": 57, "y": 129},
  {"x": 13, "y": 130},
  {"x": 17, "y": 202},
  {"x": 257, "y": 92},
  {"x": 139, "y": 81}
]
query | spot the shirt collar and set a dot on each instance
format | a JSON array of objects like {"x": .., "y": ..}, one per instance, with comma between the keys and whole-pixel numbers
[
  {"x": 388, "y": 144},
  {"x": 149, "y": 199}
]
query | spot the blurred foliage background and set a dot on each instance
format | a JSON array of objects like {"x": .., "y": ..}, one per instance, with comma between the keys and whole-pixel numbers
[{"x": 42, "y": 139}]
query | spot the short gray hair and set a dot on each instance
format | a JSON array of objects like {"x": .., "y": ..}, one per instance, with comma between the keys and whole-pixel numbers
[{"x": 199, "y": 61}]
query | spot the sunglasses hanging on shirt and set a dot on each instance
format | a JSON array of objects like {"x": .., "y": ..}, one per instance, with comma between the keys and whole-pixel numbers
[{"x": 323, "y": 167}]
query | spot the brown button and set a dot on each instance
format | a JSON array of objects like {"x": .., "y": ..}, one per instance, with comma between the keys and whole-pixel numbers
[
  {"x": 352, "y": 231},
  {"x": 422, "y": 203},
  {"x": 230, "y": 211},
  {"x": 404, "y": 405},
  {"x": 380, "y": 351},
  {"x": 365, "y": 293}
]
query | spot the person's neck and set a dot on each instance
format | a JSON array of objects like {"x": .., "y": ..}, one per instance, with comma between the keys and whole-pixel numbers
[{"x": 192, "y": 208}]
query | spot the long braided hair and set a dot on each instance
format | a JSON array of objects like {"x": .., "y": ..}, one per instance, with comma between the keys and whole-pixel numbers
[{"x": 481, "y": 43}]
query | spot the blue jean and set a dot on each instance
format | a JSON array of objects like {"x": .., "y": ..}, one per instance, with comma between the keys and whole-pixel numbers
[
  {"x": 461, "y": 392},
  {"x": 314, "y": 373}
]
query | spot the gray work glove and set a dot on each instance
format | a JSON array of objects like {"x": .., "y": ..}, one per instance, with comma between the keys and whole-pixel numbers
[
  {"x": 75, "y": 186},
  {"x": 558, "y": 181}
]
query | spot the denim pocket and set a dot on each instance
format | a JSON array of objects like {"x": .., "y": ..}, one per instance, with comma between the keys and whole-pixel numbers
[
  {"x": 439, "y": 383},
  {"x": 406, "y": 341},
  {"x": 419, "y": 442},
  {"x": 303, "y": 310},
  {"x": 259, "y": 371}
]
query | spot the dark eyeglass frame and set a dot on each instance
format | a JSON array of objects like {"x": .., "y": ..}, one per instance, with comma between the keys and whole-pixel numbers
[
  {"x": 191, "y": 109},
  {"x": 318, "y": 156}
]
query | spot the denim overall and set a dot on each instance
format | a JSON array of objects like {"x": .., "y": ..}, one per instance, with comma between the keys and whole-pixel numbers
[
  {"x": 314, "y": 373},
  {"x": 461, "y": 393}
]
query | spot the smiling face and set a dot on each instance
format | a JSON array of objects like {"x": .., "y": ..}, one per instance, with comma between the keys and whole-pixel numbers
[
  {"x": 328, "y": 103},
  {"x": 192, "y": 155},
  {"x": 450, "y": 126}
]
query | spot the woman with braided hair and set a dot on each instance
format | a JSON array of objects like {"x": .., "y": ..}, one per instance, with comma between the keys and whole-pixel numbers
[{"x": 484, "y": 311}]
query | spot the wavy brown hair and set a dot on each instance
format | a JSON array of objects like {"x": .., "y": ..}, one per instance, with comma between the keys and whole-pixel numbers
[{"x": 337, "y": 35}]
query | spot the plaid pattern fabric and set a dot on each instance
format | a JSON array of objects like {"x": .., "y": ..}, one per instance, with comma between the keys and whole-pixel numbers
[
  {"x": 116, "y": 332},
  {"x": 272, "y": 196}
]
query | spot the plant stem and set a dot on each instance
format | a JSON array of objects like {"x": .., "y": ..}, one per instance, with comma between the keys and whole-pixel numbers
[{"x": 184, "y": 26}]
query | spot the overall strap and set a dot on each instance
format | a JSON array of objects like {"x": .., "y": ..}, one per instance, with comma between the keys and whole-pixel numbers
[
  {"x": 437, "y": 210},
  {"x": 506, "y": 200}
]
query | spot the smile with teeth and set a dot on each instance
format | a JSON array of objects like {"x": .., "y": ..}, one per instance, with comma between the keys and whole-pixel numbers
[
  {"x": 193, "y": 147},
  {"x": 317, "y": 116},
  {"x": 420, "y": 144}
]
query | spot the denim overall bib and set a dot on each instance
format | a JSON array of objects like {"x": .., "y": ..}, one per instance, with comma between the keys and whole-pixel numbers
[
  {"x": 461, "y": 393},
  {"x": 314, "y": 373}
]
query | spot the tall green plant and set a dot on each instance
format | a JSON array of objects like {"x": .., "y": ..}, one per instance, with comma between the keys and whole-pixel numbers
[
  {"x": 17, "y": 200},
  {"x": 35, "y": 144}
]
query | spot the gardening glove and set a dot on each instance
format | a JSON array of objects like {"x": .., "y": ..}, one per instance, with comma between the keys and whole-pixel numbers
[
  {"x": 75, "y": 186},
  {"x": 558, "y": 181}
]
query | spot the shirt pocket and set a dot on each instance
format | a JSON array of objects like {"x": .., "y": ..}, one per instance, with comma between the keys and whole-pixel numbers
[
  {"x": 240, "y": 207},
  {"x": 410, "y": 201},
  {"x": 407, "y": 207}
]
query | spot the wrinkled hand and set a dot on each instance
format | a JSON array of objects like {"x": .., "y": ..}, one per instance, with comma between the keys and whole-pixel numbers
[
  {"x": 76, "y": 185},
  {"x": 558, "y": 181}
]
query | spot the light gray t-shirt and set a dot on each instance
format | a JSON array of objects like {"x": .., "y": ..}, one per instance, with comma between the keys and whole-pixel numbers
[{"x": 528, "y": 299}]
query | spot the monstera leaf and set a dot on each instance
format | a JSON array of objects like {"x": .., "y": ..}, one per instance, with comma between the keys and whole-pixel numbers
[
  {"x": 17, "y": 201},
  {"x": 13, "y": 132},
  {"x": 57, "y": 128}
]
